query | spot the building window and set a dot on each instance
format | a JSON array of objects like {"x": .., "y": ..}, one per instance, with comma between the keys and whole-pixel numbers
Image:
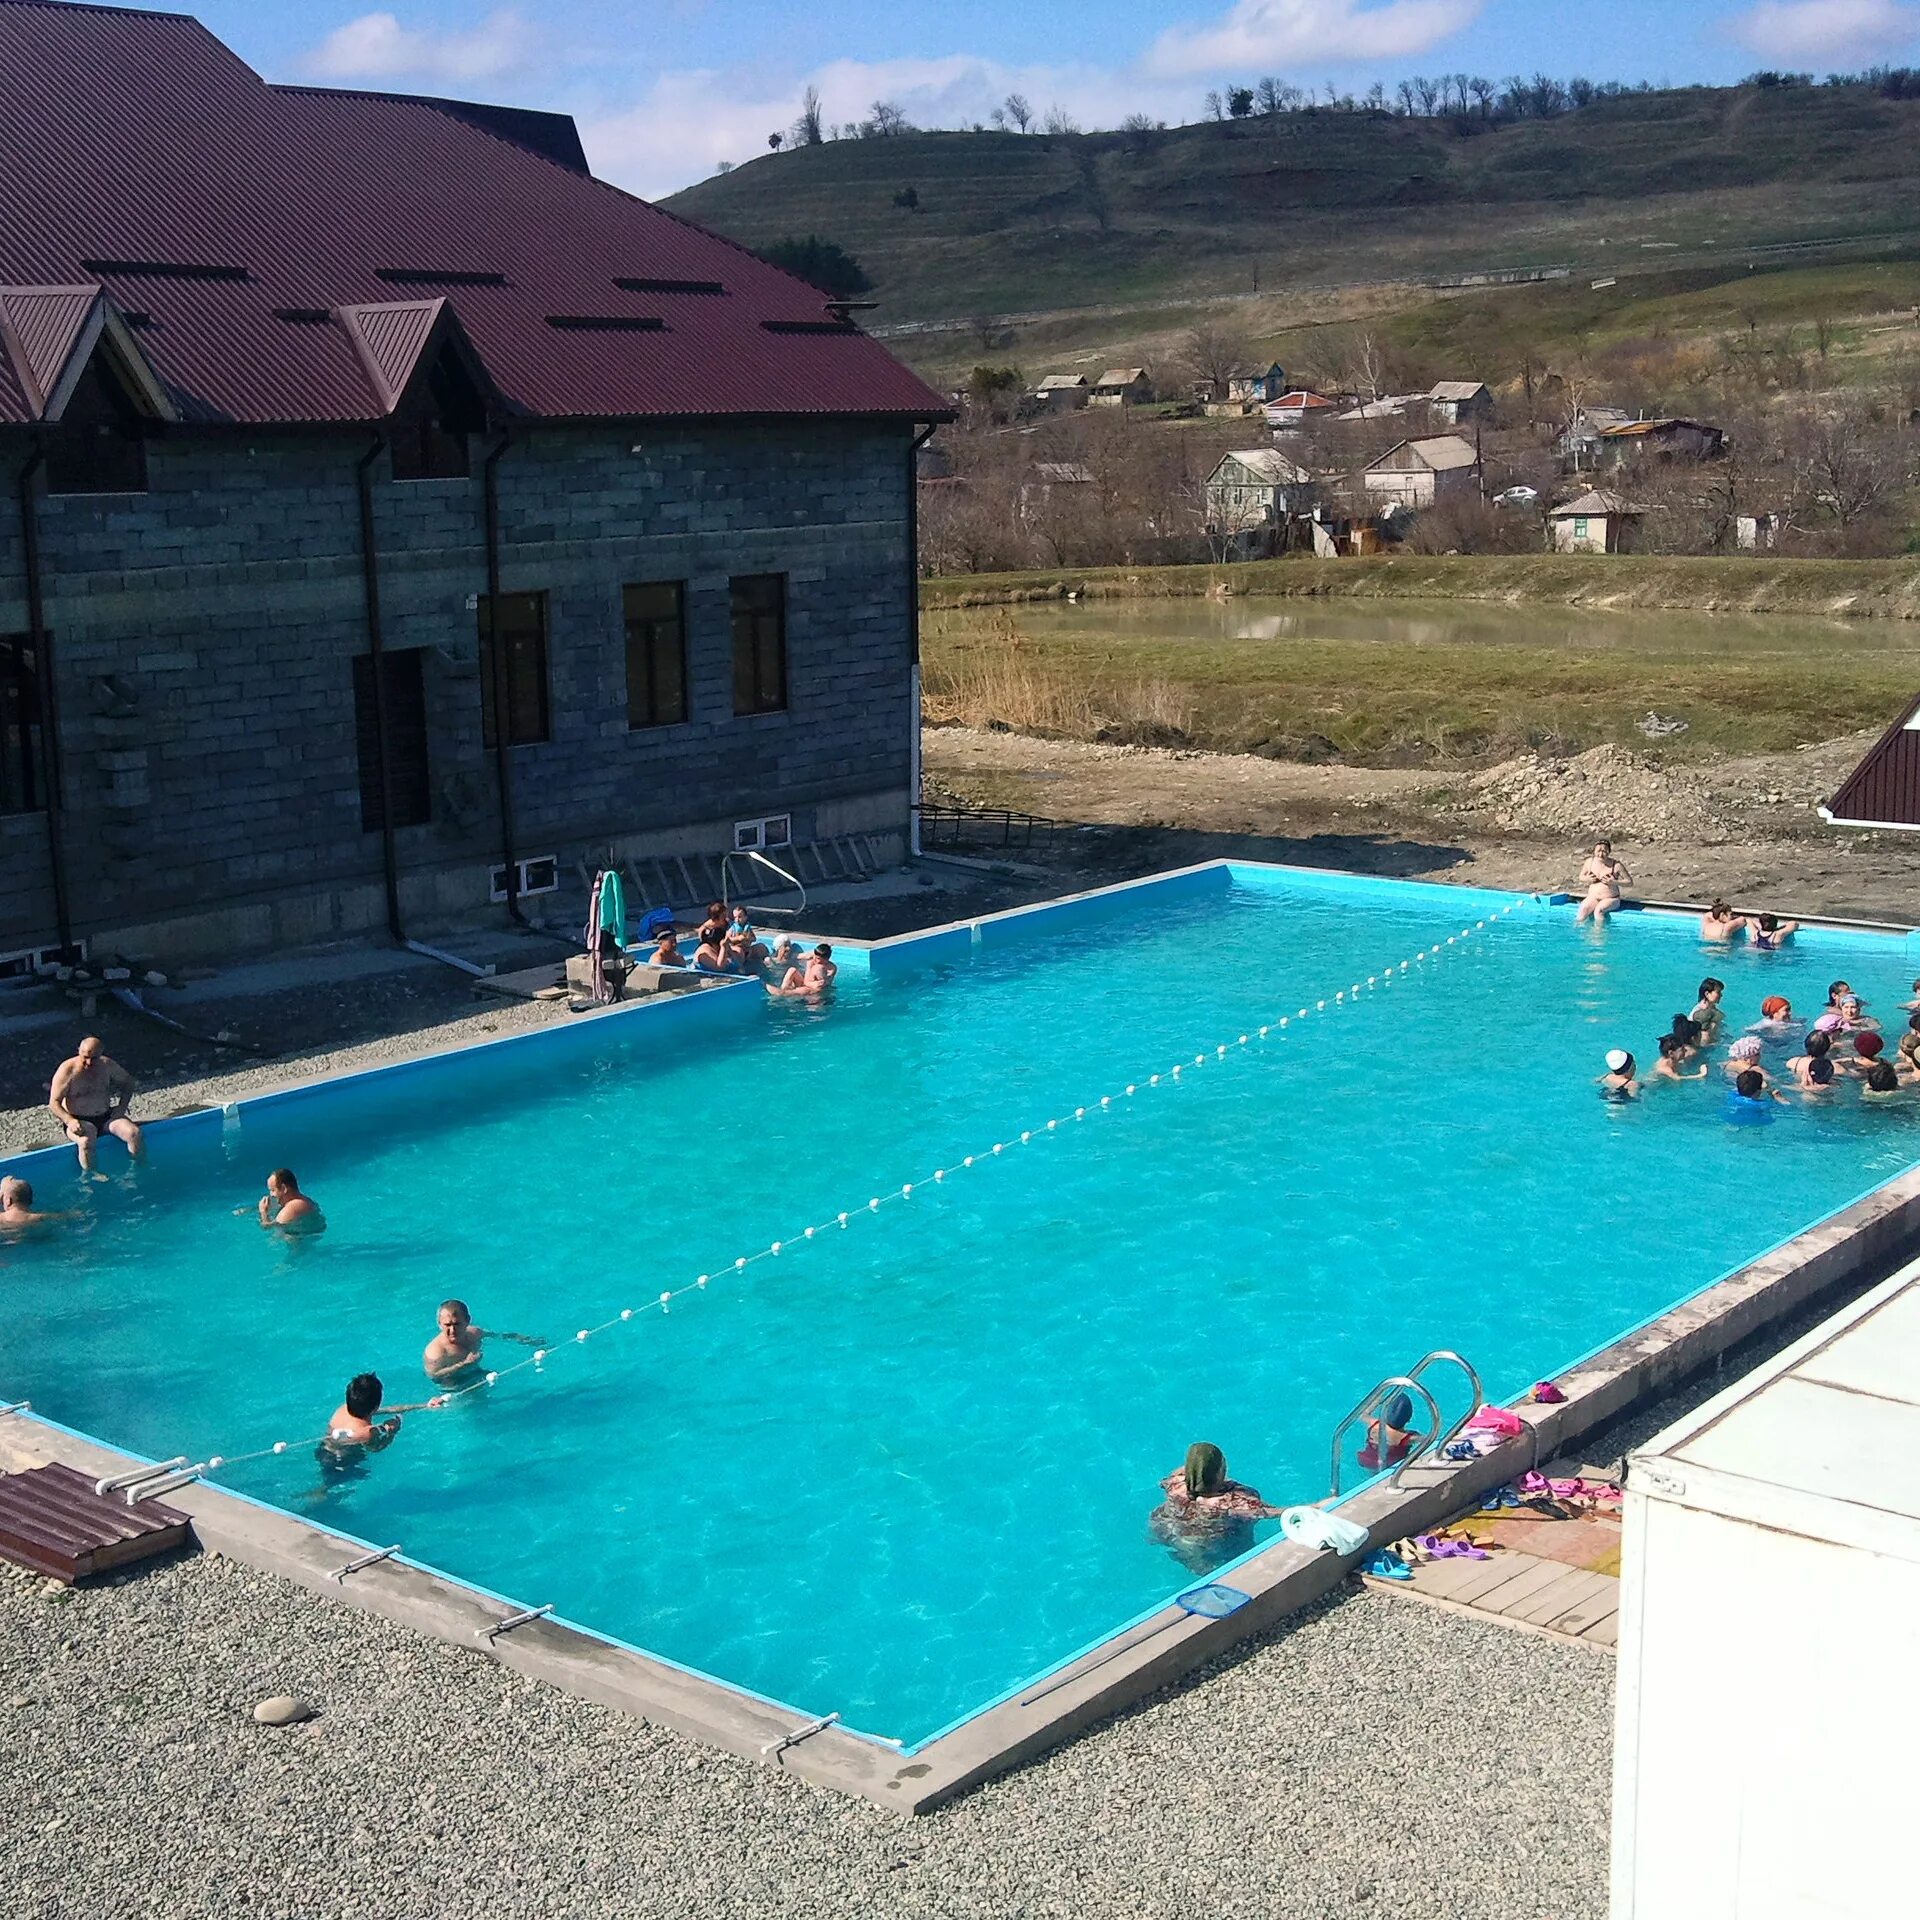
[
  {"x": 1579, "y": 526},
  {"x": 403, "y": 679},
  {"x": 23, "y": 786},
  {"x": 523, "y": 633},
  {"x": 97, "y": 447},
  {"x": 759, "y": 643},
  {"x": 429, "y": 439},
  {"x": 656, "y": 653}
]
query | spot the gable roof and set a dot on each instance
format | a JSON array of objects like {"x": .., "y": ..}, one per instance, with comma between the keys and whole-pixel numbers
[
  {"x": 1456, "y": 389},
  {"x": 234, "y": 221},
  {"x": 1121, "y": 377},
  {"x": 47, "y": 337},
  {"x": 1053, "y": 381},
  {"x": 1592, "y": 504},
  {"x": 1884, "y": 789},
  {"x": 1441, "y": 452},
  {"x": 1267, "y": 464}
]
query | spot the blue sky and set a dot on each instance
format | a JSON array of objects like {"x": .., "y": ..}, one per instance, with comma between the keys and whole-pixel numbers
[{"x": 666, "y": 89}]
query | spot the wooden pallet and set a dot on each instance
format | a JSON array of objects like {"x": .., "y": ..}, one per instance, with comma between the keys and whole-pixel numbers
[
  {"x": 1520, "y": 1590},
  {"x": 53, "y": 1522}
]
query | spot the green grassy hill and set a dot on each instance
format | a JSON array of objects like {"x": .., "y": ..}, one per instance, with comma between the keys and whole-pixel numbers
[{"x": 1305, "y": 202}]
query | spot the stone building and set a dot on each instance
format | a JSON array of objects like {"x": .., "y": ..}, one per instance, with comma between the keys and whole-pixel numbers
[{"x": 396, "y": 516}]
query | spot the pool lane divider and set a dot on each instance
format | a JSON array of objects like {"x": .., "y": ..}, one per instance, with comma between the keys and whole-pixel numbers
[{"x": 1169, "y": 1076}]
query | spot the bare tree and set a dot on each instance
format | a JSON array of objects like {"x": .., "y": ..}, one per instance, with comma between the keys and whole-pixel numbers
[
  {"x": 806, "y": 129},
  {"x": 1362, "y": 364},
  {"x": 1428, "y": 93},
  {"x": 1269, "y": 94},
  {"x": 1059, "y": 120},
  {"x": 1138, "y": 130},
  {"x": 1823, "y": 334},
  {"x": 1483, "y": 90},
  {"x": 1403, "y": 92},
  {"x": 1211, "y": 353},
  {"x": 1018, "y": 111},
  {"x": 1845, "y": 465},
  {"x": 1216, "y": 106},
  {"x": 885, "y": 121}
]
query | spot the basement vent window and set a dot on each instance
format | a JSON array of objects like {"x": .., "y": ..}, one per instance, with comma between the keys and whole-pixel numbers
[
  {"x": 439, "y": 277},
  {"x": 538, "y": 875},
  {"x": 809, "y": 326},
  {"x": 304, "y": 316},
  {"x": 758, "y": 836},
  {"x": 163, "y": 270},
  {"x": 628, "y": 283},
  {"x": 25, "y": 963},
  {"x": 606, "y": 322}
]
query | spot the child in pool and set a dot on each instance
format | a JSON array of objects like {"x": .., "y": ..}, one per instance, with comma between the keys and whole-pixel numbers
[
  {"x": 1674, "y": 1055},
  {"x": 1750, "y": 1098},
  {"x": 1819, "y": 1046}
]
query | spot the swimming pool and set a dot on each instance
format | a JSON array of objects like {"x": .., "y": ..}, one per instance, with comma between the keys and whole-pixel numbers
[{"x": 901, "y": 1467}]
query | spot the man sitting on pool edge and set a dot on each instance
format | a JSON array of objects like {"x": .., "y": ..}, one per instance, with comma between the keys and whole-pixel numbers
[{"x": 454, "y": 1352}]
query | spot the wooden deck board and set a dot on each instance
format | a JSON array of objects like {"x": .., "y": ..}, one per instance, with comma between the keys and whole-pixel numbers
[{"x": 1572, "y": 1589}]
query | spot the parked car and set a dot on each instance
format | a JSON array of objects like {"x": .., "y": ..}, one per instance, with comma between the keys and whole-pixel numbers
[{"x": 1517, "y": 497}]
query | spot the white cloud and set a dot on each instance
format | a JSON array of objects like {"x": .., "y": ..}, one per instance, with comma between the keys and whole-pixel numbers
[
  {"x": 1826, "y": 33},
  {"x": 377, "y": 47},
  {"x": 1265, "y": 35},
  {"x": 687, "y": 122}
]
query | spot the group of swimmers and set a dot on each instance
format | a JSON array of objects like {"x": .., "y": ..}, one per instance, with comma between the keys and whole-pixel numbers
[
  {"x": 1843, "y": 1044},
  {"x": 727, "y": 943}
]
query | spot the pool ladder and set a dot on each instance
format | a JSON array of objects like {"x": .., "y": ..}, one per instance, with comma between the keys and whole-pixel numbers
[{"x": 1433, "y": 1440}]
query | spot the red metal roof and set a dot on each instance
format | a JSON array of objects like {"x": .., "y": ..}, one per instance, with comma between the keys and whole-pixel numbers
[
  {"x": 1884, "y": 789},
  {"x": 38, "y": 328},
  {"x": 139, "y": 154}
]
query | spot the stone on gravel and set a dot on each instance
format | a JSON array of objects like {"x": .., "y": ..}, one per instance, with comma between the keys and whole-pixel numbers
[{"x": 282, "y": 1710}]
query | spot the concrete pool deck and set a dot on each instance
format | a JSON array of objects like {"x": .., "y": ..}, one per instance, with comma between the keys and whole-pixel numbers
[{"x": 1847, "y": 1250}]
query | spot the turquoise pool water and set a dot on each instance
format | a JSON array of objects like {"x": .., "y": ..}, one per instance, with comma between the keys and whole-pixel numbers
[{"x": 905, "y": 1466}]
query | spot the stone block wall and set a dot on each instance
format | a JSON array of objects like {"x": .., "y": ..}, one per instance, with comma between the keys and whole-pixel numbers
[{"x": 204, "y": 634}]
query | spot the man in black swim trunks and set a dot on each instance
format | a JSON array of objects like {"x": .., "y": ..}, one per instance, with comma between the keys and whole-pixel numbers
[{"x": 89, "y": 1097}]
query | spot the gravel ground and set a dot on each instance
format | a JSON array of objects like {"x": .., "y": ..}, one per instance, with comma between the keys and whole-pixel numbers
[{"x": 1376, "y": 1753}]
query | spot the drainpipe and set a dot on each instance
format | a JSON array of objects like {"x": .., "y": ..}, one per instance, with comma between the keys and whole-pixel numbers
[
  {"x": 913, "y": 637},
  {"x": 502, "y": 748},
  {"x": 382, "y": 740},
  {"x": 49, "y": 714}
]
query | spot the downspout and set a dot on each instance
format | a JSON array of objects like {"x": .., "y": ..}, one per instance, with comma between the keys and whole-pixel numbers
[
  {"x": 376, "y": 651},
  {"x": 502, "y": 747},
  {"x": 913, "y": 637},
  {"x": 382, "y": 739},
  {"x": 49, "y": 710}
]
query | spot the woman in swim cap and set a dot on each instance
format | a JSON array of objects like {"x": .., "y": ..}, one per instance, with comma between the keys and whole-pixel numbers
[
  {"x": 1744, "y": 1057},
  {"x": 1618, "y": 1083},
  {"x": 1776, "y": 1020},
  {"x": 1393, "y": 1425}
]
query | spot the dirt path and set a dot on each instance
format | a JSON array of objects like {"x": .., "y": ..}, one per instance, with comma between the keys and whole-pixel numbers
[{"x": 1746, "y": 827}]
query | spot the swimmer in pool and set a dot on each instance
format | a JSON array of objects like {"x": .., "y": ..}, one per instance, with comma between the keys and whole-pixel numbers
[
  {"x": 710, "y": 956},
  {"x": 454, "y": 1352},
  {"x": 1867, "y": 1051},
  {"x": 1819, "y": 1079},
  {"x": 1706, "y": 1013},
  {"x": 714, "y": 926},
  {"x": 1750, "y": 1095},
  {"x": 1819, "y": 1046},
  {"x": 1674, "y": 1056},
  {"x": 1882, "y": 1083},
  {"x": 813, "y": 982},
  {"x": 1389, "y": 1434},
  {"x": 1907, "y": 1052},
  {"x": 666, "y": 948},
  {"x": 1721, "y": 923},
  {"x": 1618, "y": 1083},
  {"x": 1771, "y": 933},
  {"x": 353, "y": 1429},
  {"x": 1913, "y": 1005},
  {"x": 1685, "y": 1034},
  {"x": 17, "y": 1212},
  {"x": 1776, "y": 1020},
  {"x": 1744, "y": 1057},
  {"x": 1206, "y": 1518},
  {"x": 284, "y": 1205}
]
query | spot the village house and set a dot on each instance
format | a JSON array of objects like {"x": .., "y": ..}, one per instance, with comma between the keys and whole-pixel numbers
[
  {"x": 1663, "y": 439},
  {"x": 1459, "y": 403},
  {"x": 1417, "y": 473},
  {"x": 1251, "y": 495},
  {"x": 399, "y": 517},
  {"x": 1594, "y": 522},
  {"x": 1297, "y": 408},
  {"x": 1122, "y": 387},
  {"x": 1258, "y": 388},
  {"x": 1061, "y": 393},
  {"x": 1756, "y": 532},
  {"x": 1580, "y": 441},
  {"x": 1389, "y": 406}
]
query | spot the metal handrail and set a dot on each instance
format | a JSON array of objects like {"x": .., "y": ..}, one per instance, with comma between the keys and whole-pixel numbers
[
  {"x": 1473, "y": 1380},
  {"x": 1368, "y": 1402},
  {"x": 792, "y": 880}
]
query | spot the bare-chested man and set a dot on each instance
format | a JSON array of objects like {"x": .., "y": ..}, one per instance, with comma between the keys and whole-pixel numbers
[
  {"x": 353, "y": 1427},
  {"x": 454, "y": 1352},
  {"x": 89, "y": 1097},
  {"x": 17, "y": 1209},
  {"x": 284, "y": 1205}
]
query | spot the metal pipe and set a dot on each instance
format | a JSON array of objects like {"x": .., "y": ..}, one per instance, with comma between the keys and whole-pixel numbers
[
  {"x": 913, "y": 636},
  {"x": 376, "y": 652},
  {"x": 448, "y": 959},
  {"x": 49, "y": 709},
  {"x": 502, "y": 739}
]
